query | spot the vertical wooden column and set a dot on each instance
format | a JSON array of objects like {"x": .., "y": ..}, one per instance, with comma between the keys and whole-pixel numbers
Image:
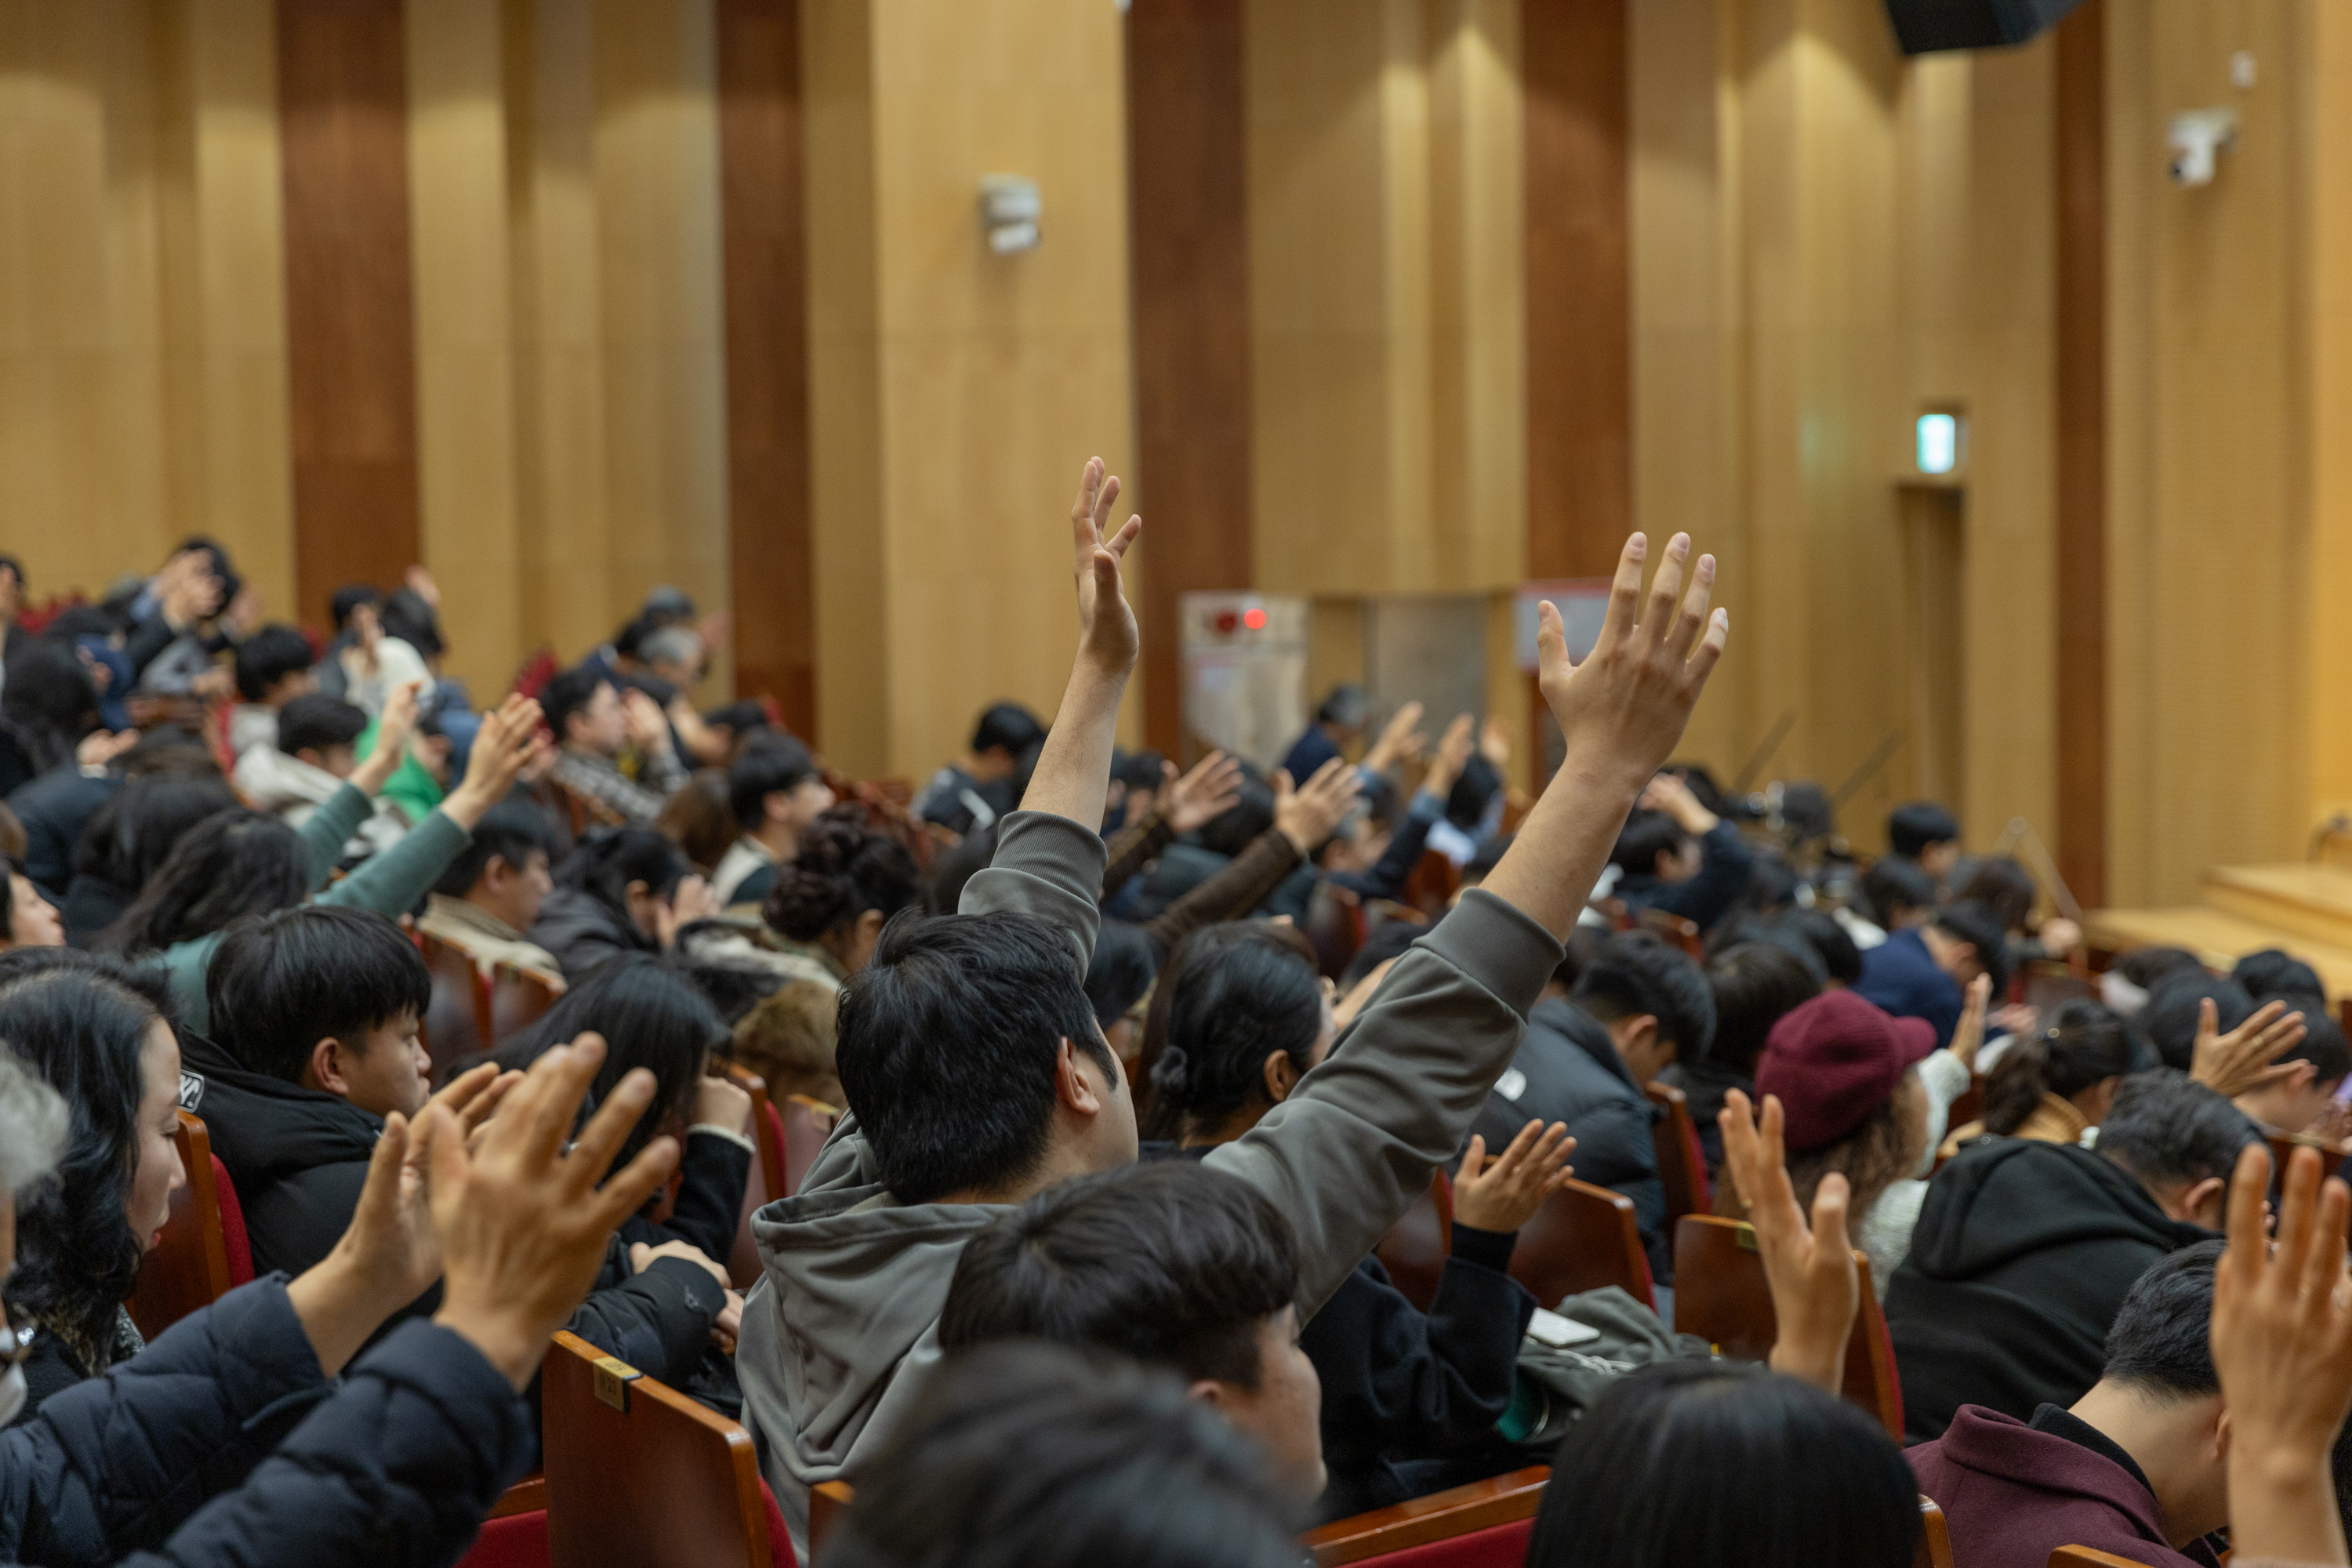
[
  {"x": 1189, "y": 223},
  {"x": 762, "y": 214},
  {"x": 2082, "y": 395},
  {"x": 351, "y": 374}
]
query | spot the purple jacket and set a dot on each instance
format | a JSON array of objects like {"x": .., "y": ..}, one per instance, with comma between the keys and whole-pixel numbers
[{"x": 2012, "y": 1495}]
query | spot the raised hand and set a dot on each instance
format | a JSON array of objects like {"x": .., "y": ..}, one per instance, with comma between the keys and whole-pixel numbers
[
  {"x": 1399, "y": 741},
  {"x": 524, "y": 1218},
  {"x": 1816, "y": 1290},
  {"x": 1622, "y": 711},
  {"x": 1205, "y": 793},
  {"x": 1307, "y": 817},
  {"x": 1494, "y": 744},
  {"x": 507, "y": 743},
  {"x": 2237, "y": 1062},
  {"x": 386, "y": 1257},
  {"x": 1969, "y": 1035},
  {"x": 1506, "y": 1195},
  {"x": 647, "y": 725},
  {"x": 392, "y": 733},
  {"x": 1453, "y": 756},
  {"x": 2283, "y": 1349},
  {"x": 1109, "y": 640}
]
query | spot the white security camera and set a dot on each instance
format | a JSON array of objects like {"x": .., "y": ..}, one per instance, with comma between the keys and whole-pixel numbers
[{"x": 2197, "y": 139}]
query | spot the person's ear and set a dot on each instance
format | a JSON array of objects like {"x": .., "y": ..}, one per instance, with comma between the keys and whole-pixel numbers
[
  {"x": 869, "y": 927},
  {"x": 776, "y": 805},
  {"x": 1076, "y": 1091},
  {"x": 496, "y": 873},
  {"x": 1282, "y": 1076},
  {"x": 638, "y": 889},
  {"x": 311, "y": 754},
  {"x": 325, "y": 1069},
  {"x": 2201, "y": 1203},
  {"x": 1640, "y": 1034},
  {"x": 2221, "y": 1433},
  {"x": 1211, "y": 1393}
]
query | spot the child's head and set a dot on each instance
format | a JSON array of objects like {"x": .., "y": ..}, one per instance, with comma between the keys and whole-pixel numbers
[
  {"x": 329, "y": 998},
  {"x": 274, "y": 666},
  {"x": 322, "y": 731}
]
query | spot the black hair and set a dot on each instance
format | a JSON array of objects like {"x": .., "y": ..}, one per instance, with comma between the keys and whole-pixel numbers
[
  {"x": 78, "y": 621},
  {"x": 127, "y": 840},
  {"x": 2275, "y": 973},
  {"x": 651, "y": 1016},
  {"x": 2005, "y": 887},
  {"x": 407, "y": 617},
  {"x": 81, "y": 1023},
  {"x": 1894, "y": 886},
  {"x": 10, "y": 564},
  {"x": 1755, "y": 984},
  {"x": 841, "y": 871},
  {"x": 2161, "y": 1342},
  {"x": 947, "y": 1042},
  {"x": 1378, "y": 799},
  {"x": 1007, "y": 727},
  {"x": 1481, "y": 866},
  {"x": 348, "y": 598},
  {"x": 509, "y": 831},
  {"x": 318, "y": 721},
  {"x": 2149, "y": 967},
  {"x": 1465, "y": 805},
  {"x": 1638, "y": 972},
  {"x": 2170, "y": 1021},
  {"x": 1232, "y": 830},
  {"x": 1234, "y": 1005},
  {"x": 1646, "y": 835},
  {"x": 1980, "y": 927},
  {"x": 1170, "y": 1264},
  {"x": 1688, "y": 1462},
  {"x": 1820, "y": 931},
  {"x": 2085, "y": 1045},
  {"x": 1138, "y": 770},
  {"x": 49, "y": 701},
  {"x": 732, "y": 986},
  {"x": 1348, "y": 705},
  {"x": 2323, "y": 1044},
  {"x": 1389, "y": 940},
  {"x": 1772, "y": 883},
  {"x": 230, "y": 865},
  {"x": 1125, "y": 960},
  {"x": 1910, "y": 829},
  {"x": 1023, "y": 1455},
  {"x": 1739, "y": 930},
  {"x": 2168, "y": 1129},
  {"x": 268, "y": 656},
  {"x": 168, "y": 749},
  {"x": 282, "y": 981},
  {"x": 570, "y": 693},
  {"x": 772, "y": 764},
  {"x": 604, "y": 865},
  {"x": 958, "y": 866}
]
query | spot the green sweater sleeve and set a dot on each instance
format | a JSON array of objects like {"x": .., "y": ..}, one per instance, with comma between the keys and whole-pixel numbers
[
  {"x": 330, "y": 828},
  {"x": 395, "y": 881}
]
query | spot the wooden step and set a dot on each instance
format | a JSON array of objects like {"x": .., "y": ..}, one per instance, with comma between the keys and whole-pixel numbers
[
  {"x": 2216, "y": 936},
  {"x": 2314, "y": 902}
]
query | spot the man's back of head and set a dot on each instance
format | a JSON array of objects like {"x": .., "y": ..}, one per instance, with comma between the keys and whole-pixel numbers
[
  {"x": 1638, "y": 974},
  {"x": 2180, "y": 1138},
  {"x": 287, "y": 988},
  {"x": 1921, "y": 827},
  {"x": 1007, "y": 728}
]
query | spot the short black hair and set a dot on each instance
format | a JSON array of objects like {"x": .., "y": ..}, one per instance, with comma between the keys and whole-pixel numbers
[
  {"x": 1125, "y": 961},
  {"x": 1755, "y": 984},
  {"x": 350, "y": 597},
  {"x": 2149, "y": 967},
  {"x": 2170, "y": 1021},
  {"x": 1232, "y": 1005},
  {"x": 1138, "y": 770},
  {"x": 1389, "y": 940},
  {"x": 2161, "y": 1343},
  {"x": 2168, "y": 1129},
  {"x": 1007, "y": 727},
  {"x": 1820, "y": 931},
  {"x": 282, "y": 981},
  {"x": 1252, "y": 813},
  {"x": 768, "y": 765},
  {"x": 1646, "y": 835},
  {"x": 2323, "y": 1044},
  {"x": 1893, "y": 887},
  {"x": 268, "y": 656},
  {"x": 2274, "y": 971},
  {"x": 955, "y": 867},
  {"x": 1911, "y": 828},
  {"x": 509, "y": 831},
  {"x": 603, "y": 864},
  {"x": 947, "y": 1044},
  {"x": 570, "y": 693},
  {"x": 1638, "y": 972},
  {"x": 841, "y": 869},
  {"x": 1170, "y": 1264},
  {"x": 1348, "y": 705},
  {"x": 407, "y": 617},
  {"x": 2004, "y": 885},
  {"x": 1024, "y": 1455},
  {"x": 316, "y": 721},
  {"x": 1980, "y": 927},
  {"x": 1466, "y": 803}
]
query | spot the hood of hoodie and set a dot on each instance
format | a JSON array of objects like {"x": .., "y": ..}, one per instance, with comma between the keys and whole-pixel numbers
[
  {"x": 273, "y": 780},
  {"x": 2006, "y": 1198},
  {"x": 264, "y": 1129}
]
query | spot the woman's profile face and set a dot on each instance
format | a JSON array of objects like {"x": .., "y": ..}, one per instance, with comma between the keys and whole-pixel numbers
[{"x": 155, "y": 1172}]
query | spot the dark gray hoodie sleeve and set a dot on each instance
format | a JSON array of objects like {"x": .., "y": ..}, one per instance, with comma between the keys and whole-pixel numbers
[
  {"x": 1045, "y": 865},
  {"x": 1359, "y": 1138}
]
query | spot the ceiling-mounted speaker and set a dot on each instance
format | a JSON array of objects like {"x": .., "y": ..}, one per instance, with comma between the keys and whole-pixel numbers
[{"x": 1926, "y": 27}]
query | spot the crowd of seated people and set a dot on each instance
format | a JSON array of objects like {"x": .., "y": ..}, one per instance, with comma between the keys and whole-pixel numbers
[{"x": 1132, "y": 1071}]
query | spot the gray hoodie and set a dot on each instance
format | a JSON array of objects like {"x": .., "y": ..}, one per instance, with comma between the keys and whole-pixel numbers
[{"x": 844, "y": 1323}]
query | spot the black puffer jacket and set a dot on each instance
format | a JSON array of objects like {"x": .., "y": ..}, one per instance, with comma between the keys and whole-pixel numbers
[{"x": 223, "y": 1446}]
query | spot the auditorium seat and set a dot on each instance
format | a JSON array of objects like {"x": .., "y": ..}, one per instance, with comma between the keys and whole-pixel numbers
[
  {"x": 1721, "y": 1295},
  {"x": 1935, "y": 1538},
  {"x": 798, "y": 1132},
  {"x": 1584, "y": 1237},
  {"x": 1415, "y": 1249},
  {"x": 2331, "y": 1154},
  {"x": 1673, "y": 930},
  {"x": 1682, "y": 1158},
  {"x": 189, "y": 1267},
  {"x": 515, "y": 1535},
  {"x": 2086, "y": 1557},
  {"x": 456, "y": 1022},
  {"x": 1483, "y": 1525},
  {"x": 639, "y": 1475},
  {"x": 828, "y": 1501},
  {"x": 240, "y": 1246},
  {"x": 518, "y": 999}
]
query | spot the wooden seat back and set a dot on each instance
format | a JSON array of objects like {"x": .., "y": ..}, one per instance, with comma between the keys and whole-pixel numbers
[
  {"x": 639, "y": 1475},
  {"x": 1415, "y": 1249},
  {"x": 188, "y": 1269},
  {"x": 1584, "y": 1237},
  {"x": 518, "y": 1000},
  {"x": 456, "y": 1022},
  {"x": 2088, "y": 1557},
  {"x": 828, "y": 1501},
  {"x": 2331, "y": 1154},
  {"x": 797, "y": 1130},
  {"x": 1677, "y": 931},
  {"x": 765, "y": 1185},
  {"x": 1721, "y": 1295},
  {"x": 1431, "y": 886},
  {"x": 1485, "y": 1522},
  {"x": 1335, "y": 924},
  {"x": 1682, "y": 1158},
  {"x": 1935, "y": 1538}
]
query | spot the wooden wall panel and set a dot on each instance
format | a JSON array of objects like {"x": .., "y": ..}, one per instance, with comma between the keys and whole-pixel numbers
[
  {"x": 2080, "y": 841},
  {"x": 343, "y": 107},
  {"x": 1189, "y": 247},
  {"x": 1580, "y": 351},
  {"x": 762, "y": 214}
]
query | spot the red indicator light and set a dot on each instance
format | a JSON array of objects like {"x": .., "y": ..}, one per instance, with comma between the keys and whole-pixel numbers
[
  {"x": 1225, "y": 623},
  {"x": 1254, "y": 618}
]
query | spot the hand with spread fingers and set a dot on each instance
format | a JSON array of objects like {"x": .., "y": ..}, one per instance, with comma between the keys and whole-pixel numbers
[
  {"x": 1968, "y": 1036},
  {"x": 1453, "y": 756},
  {"x": 1108, "y": 634},
  {"x": 1505, "y": 1193},
  {"x": 1622, "y": 709},
  {"x": 2283, "y": 1351},
  {"x": 1207, "y": 793},
  {"x": 2233, "y": 1063},
  {"x": 523, "y": 1219},
  {"x": 1400, "y": 740},
  {"x": 1309, "y": 815},
  {"x": 1816, "y": 1289}
]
